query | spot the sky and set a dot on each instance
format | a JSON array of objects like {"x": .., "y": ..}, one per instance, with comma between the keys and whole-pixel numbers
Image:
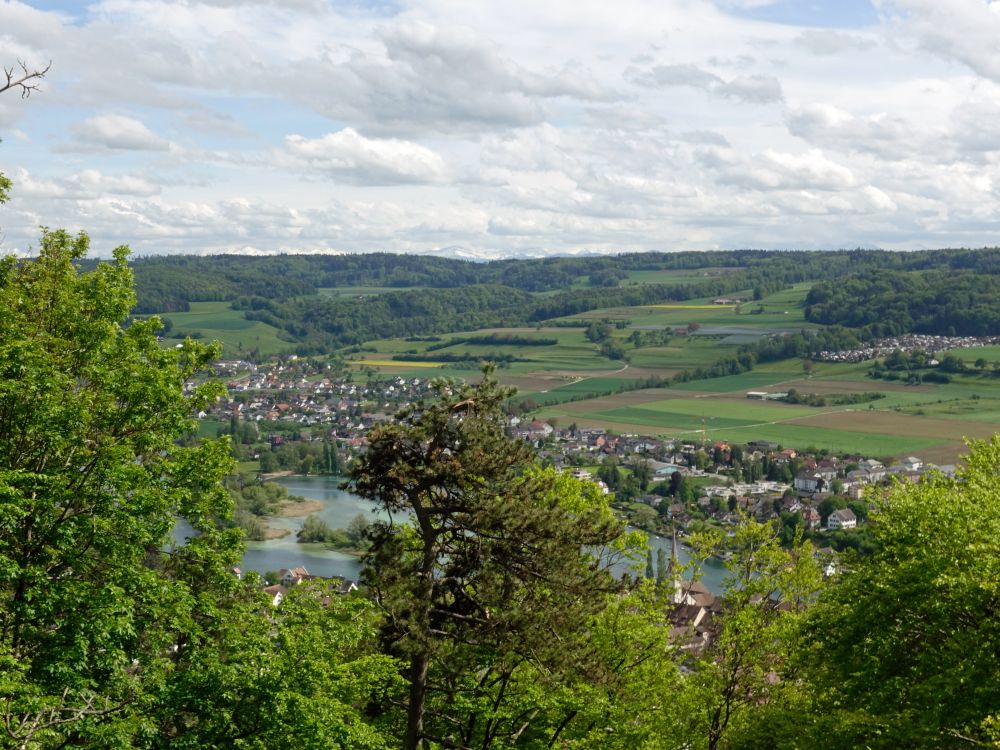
[{"x": 497, "y": 129}]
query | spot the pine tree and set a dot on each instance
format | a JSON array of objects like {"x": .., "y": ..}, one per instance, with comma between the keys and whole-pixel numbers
[{"x": 498, "y": 557}]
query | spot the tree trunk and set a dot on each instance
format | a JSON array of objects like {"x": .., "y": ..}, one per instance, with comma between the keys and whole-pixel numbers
[{"x": 418, "y": 696}]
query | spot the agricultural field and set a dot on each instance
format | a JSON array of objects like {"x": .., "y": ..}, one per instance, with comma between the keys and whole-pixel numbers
[
  {"x": 928, "y": 420},
  {"x": 990, "y": 353},
  {"x": 392, "y": 363},
  {"x": 581, "y": 388},
  {"x": 571, "y": 355},
  {"x": 779, "y": 312},
  {"x": 215, "y": 321}
]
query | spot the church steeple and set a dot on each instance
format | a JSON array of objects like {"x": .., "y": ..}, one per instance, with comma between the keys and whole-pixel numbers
[{"x": 673, "y": 567}]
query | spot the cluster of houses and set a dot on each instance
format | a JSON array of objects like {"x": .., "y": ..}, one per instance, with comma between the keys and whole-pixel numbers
[
  {"x": 311, "y": 397},
  {"x": 726, "y": 501},
  {"x": 909, "y": 343},
  {"x": 288, "y": 578}
]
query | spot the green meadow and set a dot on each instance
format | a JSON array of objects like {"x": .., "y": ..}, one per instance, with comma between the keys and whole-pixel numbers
[
  {"x": 581, "y": 389},
  {"x": 216, "y": 321}
]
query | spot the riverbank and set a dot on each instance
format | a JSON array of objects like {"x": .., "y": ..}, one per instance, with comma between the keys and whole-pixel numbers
[
  {"x": 299, "y": 508},
  {"x": 272, "y": 475}
]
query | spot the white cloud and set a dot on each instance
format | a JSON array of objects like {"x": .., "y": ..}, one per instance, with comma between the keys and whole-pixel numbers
[
  {"x": 975, "y": 123},
  {"x": 432, "y": 79},
  {"x": 828, "y": 42},
  {"x": 880, "y": 133},
  {"x": 117, "y": 132},
  {"x": 758, "y": 89},
  {"x": 748, "y": 4},
  {"x": 27, "y": 185},
  {"x": 92, "y": 183},
  {"x": 966, "y": 31},
  {"x": 351, "y": 157},
  {"x": 776, "y": 170},
  {"x": 519, "y": 127}
]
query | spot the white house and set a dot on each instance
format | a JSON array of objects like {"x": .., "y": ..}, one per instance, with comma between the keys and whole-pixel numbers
[
  {"x": 289, "y": 577},
  {"x": 277, "y": 593},
  {"x": 809, "y": 481},
  {"x": 842, "y": 519}
]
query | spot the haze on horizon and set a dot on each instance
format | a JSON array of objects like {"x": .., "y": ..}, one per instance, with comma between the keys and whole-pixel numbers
[{"x": 205, "y": 126}]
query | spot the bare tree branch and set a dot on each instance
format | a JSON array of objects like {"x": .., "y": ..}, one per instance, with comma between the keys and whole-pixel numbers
[
  {"x": 24, "y": 728},
  {"x": 24, "y": 79}
]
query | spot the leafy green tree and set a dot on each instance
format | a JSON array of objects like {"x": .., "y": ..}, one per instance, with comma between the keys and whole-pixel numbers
[
  {"x": 632, "y": 696},
  {"x": 357, "y": 529},
  {"x": 113, "y": 633},
  {"x": 642, "y": 470},
  {"x": 745, "y": 671},
  {"x": 91, "y": 482},
  {"x": 829, "y": 505},
  {"x": 612, "y": 349},
  {"x": 314, "y": 529},
  {"x": 597, "y": 332},
  {"x": 298, "y": 677},
  {"x": 268, "y": 461},
  {"x": 609, "y": 473},
  {"x": 662, "y": 570},
  {"x": 498, "y": 556},
  {"x": 907, "y": 645}
]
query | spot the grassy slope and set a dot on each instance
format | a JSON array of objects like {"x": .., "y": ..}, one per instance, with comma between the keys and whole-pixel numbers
[{"x": 217, "y": 322}]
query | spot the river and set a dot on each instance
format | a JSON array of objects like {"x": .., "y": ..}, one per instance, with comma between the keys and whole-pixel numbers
[{"x": 339, "y": 507}]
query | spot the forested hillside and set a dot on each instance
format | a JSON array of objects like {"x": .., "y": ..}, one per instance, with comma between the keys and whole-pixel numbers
[
  {"x": 323, "y": 323},
  {"x": 165, "y": 283},
  {"x": 886, "y": 303},
  {"x": 878, "y": 293}
]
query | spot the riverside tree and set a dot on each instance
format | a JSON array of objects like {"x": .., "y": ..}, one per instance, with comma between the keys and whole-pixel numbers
[{"x": 490, "y": 568}]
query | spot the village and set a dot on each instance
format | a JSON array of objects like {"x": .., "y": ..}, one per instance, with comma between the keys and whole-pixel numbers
[
  {"x": 295, "y": 406},
  {"x": 909, "y": 343}
]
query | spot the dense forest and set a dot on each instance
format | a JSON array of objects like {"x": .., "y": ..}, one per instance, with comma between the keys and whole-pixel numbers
[{"x": 884, "y": 303}]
